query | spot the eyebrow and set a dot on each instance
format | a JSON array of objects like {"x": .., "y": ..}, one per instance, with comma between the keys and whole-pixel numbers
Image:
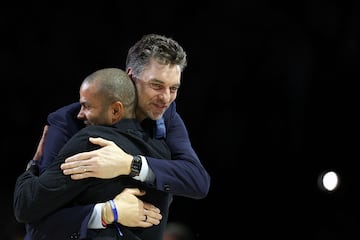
[{"x": 162, "y": 82}]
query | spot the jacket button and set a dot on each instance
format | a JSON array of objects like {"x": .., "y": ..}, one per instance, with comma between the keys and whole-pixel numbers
[
  {"x": 167, "y": 187},
  {"x": 75, "y": 236}
]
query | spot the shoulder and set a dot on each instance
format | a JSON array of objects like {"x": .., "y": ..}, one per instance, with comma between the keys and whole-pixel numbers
[
  {"x": 66, "y": 117},
  {"x": 67, "y": 111}
]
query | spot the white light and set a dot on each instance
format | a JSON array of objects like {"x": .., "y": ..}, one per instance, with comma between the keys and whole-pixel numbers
[{"x": 330, "y": 181}]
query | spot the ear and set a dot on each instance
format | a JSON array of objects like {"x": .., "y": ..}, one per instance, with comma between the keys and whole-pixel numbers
[
  {"x": 129, "y": 72},
  {"x": 117, "y": 111}
]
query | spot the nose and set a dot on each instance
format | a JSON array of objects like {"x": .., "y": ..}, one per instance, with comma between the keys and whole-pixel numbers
[
  {"x": 81, "y": 114},
  {"x": 165, "y": 96}
]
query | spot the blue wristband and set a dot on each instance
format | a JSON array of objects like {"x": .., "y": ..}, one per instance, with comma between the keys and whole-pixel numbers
[{"x": 113, "y": 208}]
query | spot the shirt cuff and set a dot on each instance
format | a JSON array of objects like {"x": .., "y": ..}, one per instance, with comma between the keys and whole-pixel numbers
[{"x": 95, "y": 219}]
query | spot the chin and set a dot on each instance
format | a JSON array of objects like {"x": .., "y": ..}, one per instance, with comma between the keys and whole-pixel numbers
[{"x": 156, "y": 116}]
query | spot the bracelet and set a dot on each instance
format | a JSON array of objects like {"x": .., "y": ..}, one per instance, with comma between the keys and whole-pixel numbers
[
  {"x": 103, "y": 223},
  {"x": 113, "y": 208},
  {"x": 103, "y": 215}
]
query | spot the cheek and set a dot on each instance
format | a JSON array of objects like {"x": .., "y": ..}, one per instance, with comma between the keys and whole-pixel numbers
[
  {"x": 173, "y": 97},
  {"x": 90, "y": 115},
  {"x": 147, "y": 94},
  {"x": 140, "y": 90}
]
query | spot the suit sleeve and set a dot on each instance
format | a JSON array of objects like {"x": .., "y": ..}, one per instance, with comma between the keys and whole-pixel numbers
[
  {"x": 184, "y": 175},
  {"x": 35, "y": 197},
  {"x": 63, "y": 124},
  {"x": 69, "y": 223}
]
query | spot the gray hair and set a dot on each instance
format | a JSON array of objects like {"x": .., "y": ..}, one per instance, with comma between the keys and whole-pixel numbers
[{"x": 163, "y": 49}]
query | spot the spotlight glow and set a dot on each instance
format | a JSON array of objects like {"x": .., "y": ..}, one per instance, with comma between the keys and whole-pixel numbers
[{"x": 330, "y": 181}]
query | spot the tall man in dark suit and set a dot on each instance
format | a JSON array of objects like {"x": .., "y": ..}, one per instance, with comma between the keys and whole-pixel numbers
[{"x": 108, "y": 100}]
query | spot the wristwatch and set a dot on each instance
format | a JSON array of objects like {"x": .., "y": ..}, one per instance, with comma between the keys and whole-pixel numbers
[{"x": 135, "y": 166}]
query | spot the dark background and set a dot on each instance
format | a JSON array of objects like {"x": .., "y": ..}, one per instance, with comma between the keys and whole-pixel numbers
[{"x": 269, "y": 98}]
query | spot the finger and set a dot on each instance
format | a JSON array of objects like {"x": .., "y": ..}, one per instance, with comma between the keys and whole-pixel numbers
[
  {"x": 79, "y": 157},
  {"x": 155, "y": 216},
  {"x": 81, "y": 172},
  {"x": 66, "y": 166},
  {"x": 100, "y": 141},
  {"x": 78, "y": 170},
  {"x": 73, "y": 166},
  {"x": 73, "y": 169},
  {"x": 81, "y": 175},
  {"x": 150, "y": 207},
  {"x": 152, "y": 220},
  {"x": 144, "y": 224}
]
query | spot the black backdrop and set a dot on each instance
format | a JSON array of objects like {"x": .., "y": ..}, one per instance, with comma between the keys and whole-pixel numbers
[{"x": 268, "y": 96}]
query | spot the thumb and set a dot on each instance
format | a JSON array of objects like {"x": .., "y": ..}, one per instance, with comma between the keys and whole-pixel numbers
[{"x": 135, "y": 191}]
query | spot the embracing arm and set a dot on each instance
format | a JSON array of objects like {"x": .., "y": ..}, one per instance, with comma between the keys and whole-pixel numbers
[
  {"x": 62, "y": 125},
  {"x": 184, "y": 175},
  {"x": 73, "y": 221},
  {"x": 65, "y": 224},
  {"x": 36, "y": 197}
]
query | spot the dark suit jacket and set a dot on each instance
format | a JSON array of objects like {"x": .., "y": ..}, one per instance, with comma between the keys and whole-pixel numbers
[
  {"x": 37, "y": 197},
  {"x": 185, "y": 176}
]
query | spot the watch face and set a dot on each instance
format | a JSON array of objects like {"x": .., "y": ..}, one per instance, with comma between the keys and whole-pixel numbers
[{"x": 135, "y": 166}]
